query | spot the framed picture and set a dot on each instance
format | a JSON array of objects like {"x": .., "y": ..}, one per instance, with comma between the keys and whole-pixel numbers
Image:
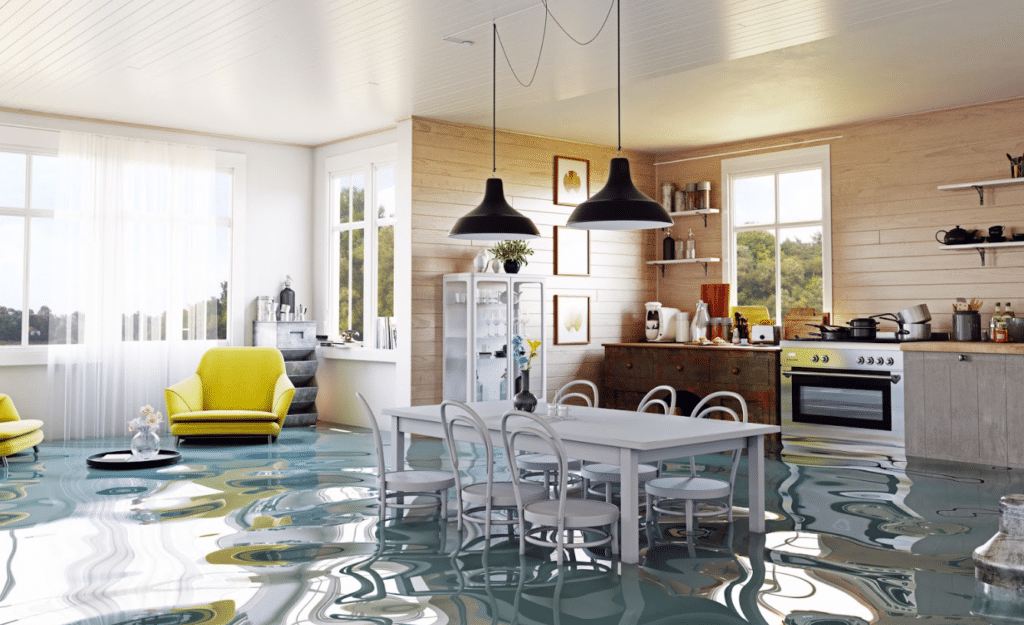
[
  {"x": 572, "y": 251},
  {"x": 572, "y": 180},
  {"x": 572, "y": 319}
]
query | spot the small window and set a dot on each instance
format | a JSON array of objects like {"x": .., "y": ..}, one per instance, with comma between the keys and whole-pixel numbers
[{"x": 776, "y": 234}]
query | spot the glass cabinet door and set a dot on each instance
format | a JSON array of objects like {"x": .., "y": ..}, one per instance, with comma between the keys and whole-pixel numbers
[
  {"x": 482, "y": 313},
  {"x": 491, "y": 346}
]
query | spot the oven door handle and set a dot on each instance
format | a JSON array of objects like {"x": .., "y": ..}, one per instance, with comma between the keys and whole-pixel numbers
[{"x": 894, "y": 378}]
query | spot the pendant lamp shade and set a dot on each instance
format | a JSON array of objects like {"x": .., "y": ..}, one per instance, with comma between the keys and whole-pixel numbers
[
  {"x": 619, "y": 205},
  {"x": 494, "y": 219}
]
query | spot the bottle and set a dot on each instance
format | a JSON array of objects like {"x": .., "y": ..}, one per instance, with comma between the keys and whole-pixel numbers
[
  {"x": 996, "y": 316},
  {"x": 1008, "y": 313},
  {"x": 691, "y": 245},
  {"x": 668, "y": 246},
  {"x": 1001, "y": 335}
]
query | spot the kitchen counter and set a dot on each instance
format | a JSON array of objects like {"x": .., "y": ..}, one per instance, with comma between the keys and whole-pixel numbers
[
  {"x": 695, "y": 371},
  {"x": 964, "y": 347},
  {"x": 755, "y": 348}
]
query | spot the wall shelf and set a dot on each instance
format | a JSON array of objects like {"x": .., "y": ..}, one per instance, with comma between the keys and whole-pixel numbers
[
  {"x": 685, "y": 261},
  {"x": 980, "y": 247},
  {"x": 703, "y": 212},
  {"x": 980, "y": 187}
]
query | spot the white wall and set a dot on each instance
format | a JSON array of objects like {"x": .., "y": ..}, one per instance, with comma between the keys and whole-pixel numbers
[{"x": 277, "y": 227}]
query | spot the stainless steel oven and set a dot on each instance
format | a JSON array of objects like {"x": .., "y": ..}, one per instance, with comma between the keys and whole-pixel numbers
[{"x": 851, "y": 392}]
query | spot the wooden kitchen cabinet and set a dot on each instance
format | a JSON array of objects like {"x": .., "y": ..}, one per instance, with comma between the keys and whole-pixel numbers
[
  {"x": 633, "y": 369},
  {"x": 964, "y": 407}
]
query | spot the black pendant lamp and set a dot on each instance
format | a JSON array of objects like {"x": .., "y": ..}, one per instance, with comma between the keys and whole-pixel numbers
[
  {"x": 494, "y": 219},
  {"x": 619, "y": 205}
]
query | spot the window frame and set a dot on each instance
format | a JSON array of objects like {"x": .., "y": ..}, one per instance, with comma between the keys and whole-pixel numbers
[
  {"x": 366, "y": 162},
  {"x": 32, "y": 141},
  {"x": 775, "y": 163}
]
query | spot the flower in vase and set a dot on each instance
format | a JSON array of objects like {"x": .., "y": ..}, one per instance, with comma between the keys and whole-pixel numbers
[{"x": 523, "y": 358}]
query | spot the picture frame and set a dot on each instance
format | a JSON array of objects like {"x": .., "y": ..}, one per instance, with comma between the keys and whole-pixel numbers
[
  {"x": 572, "y": 319},
  {"x": 572, "y": 251},
  {"x": 571, "y": 180}
]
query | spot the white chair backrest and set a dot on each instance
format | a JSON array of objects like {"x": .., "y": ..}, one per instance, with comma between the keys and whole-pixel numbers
[
  {"x": 704, "y": 402},
  {"x": 378, "y": 443},
  {"x": 531, "y": 425},
  {"x": 567, "y": 392},
  {"x": 650, "y": 401},
  {"x": 454, "y": 413},
  {"x": 735, "y": 417}
]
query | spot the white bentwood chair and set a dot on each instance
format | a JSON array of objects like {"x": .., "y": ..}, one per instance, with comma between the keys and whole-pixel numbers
[
  {"x": 488, "y": 496},
  {"x": 600, "y": 479},
  {"x": 545, "y": 466},
  {"x": 401, "y": 483},
  {"x": 699, "y": 496},
  {"x": 559, "y": 515}
]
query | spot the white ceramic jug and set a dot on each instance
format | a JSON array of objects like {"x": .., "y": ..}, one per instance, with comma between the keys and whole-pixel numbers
[{"x": 701, "y": 321}]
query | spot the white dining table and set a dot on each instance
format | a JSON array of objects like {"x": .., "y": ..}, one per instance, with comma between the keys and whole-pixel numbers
[{"x": 621, "y": 437}]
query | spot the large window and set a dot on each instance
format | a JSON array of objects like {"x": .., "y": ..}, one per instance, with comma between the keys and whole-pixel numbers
[
  {"x": 776, "y": 233},
  {"x": 28, "y": 186},
  {"x": 32, "y": 314},
  {"x": 362, "y": 201}
]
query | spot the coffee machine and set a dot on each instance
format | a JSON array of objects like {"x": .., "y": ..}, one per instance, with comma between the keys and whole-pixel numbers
[{"x": 660, "y": 325}]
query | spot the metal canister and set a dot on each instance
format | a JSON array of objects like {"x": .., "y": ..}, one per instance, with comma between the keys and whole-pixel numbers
[
  {"x": 966, "y": 325},
  {"x": 691, "y": 196},
  {"x": 721, "y": 327},
  {"x": 704, "y": 194},
  {"x": 668, "y": 191}
]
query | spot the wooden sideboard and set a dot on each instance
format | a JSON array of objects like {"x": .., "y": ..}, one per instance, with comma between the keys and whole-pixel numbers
[{"x": 633, "y": 369}]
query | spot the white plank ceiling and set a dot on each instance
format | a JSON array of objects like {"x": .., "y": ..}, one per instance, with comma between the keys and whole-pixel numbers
[{"x": 694, "y": 72}]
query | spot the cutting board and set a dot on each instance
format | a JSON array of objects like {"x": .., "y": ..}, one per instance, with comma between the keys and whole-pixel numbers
[{"x": 794, "y": 324}]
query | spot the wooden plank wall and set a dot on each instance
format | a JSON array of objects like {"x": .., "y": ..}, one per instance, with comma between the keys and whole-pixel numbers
[
  {"x": 886, "y": 210},
  {"x": 450, "y": 163}
]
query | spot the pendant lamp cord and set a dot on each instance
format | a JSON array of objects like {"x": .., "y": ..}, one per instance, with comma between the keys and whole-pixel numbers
[
  {"x": 494, "y": 99},
  {"x": 618, "y": 65}
]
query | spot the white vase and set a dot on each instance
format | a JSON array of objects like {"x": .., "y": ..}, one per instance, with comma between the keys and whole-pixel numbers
[{"x": 480, "y": 261}]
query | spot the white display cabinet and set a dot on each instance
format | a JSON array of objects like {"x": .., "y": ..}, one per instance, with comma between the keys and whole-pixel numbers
[{"x": 482, "y": 312}]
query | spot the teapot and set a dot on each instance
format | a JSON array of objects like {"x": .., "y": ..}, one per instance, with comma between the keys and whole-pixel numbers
[{"x": 955, "y": 236}]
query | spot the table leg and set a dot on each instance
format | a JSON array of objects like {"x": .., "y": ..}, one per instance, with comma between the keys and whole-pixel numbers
[
  {"x": 629, "y": 508},
  {"x": 397, "y": 446},
  {"x": 755, "y": 481}
]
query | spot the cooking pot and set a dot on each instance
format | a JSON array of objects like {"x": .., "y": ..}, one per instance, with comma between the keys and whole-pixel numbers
[
  {"x": 956, "y": 236},
  {"x": 864, "y": 329},
  {"x": 914, "y": 332},
  {"x": 915, "y": 314},
  {"x": 832, "y": 333}
]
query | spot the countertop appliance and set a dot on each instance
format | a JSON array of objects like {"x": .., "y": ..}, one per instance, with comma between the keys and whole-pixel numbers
[
  {"x": 842, "y": 392},
  {"x": 764, "y": 335},
  {"x": 661, "y": 326}
]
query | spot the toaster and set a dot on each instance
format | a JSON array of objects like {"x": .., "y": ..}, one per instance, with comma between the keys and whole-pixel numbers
[{"x": 764, "y": 335}]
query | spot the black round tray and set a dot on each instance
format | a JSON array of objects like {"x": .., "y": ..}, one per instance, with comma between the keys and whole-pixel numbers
[{"x": 164, "y": 458}]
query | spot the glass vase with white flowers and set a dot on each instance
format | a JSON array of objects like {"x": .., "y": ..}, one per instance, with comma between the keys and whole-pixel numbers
[{"x": 146, "y": 441}]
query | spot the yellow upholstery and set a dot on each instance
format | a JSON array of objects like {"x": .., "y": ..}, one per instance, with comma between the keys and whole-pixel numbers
[
  {"x": 236, "y": 391},
  {"x": 16, "y": 434}
]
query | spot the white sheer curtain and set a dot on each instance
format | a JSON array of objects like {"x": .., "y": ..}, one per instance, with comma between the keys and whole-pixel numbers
[{"x": 133, "y": 228}]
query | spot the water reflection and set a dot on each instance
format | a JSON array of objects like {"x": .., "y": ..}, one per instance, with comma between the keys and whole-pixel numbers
[{"x": 289, "y": 534}]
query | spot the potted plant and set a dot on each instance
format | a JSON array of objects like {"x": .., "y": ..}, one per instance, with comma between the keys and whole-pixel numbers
[{"x": 512, "y": 253}]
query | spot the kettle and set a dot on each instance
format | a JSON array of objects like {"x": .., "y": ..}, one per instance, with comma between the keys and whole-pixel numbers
[{"x": 955, "y": 236}]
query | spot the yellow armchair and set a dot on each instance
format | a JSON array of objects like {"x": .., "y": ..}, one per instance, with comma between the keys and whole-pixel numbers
[
  {"x": 17, "y": 434},
  {"x": 236, "y": 391}
]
